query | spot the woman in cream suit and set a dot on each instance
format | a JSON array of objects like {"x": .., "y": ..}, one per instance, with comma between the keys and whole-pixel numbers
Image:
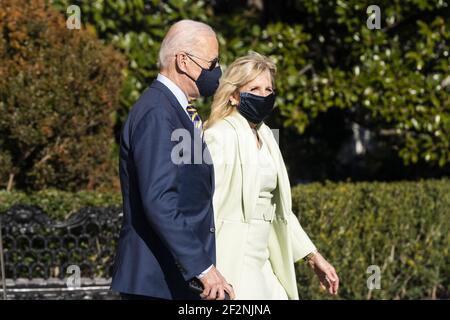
[{"x": 258, "y": 238}]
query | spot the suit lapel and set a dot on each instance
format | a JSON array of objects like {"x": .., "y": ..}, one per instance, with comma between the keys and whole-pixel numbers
[
  {"x": 283, "y": 184},
  {"x": 248, "y": 154}
]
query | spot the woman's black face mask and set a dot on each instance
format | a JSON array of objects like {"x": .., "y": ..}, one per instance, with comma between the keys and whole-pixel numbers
[{"x": 255, "y": 108}]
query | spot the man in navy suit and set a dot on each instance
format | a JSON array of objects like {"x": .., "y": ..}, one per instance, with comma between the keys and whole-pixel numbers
[{"x": 168, "y": 234}]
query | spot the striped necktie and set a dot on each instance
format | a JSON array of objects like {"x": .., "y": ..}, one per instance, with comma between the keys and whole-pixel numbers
[{"x": 195, "y": 118}]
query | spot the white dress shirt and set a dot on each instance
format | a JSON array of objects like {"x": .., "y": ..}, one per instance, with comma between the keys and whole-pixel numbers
[{"x": 183, "y": 101}]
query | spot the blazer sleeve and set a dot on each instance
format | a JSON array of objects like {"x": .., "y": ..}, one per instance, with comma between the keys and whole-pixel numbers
[
  {"x": 301, "y": 243},
  {"x": 156, "y": 174}
]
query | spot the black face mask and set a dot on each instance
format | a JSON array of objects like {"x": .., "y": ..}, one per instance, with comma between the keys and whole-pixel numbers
[
  {"x": 255, "y": 108},
  {"x": 208, "y": 81}
]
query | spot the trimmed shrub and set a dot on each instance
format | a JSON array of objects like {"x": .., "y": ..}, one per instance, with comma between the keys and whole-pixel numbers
[
  {"x": 402, "y": 227},
  {"x": 59, "y": 89},
  {"x": 60, "y": 204}
]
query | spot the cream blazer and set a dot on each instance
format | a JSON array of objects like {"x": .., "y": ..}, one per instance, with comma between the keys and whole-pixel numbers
[{"x": 233, "y": 150}]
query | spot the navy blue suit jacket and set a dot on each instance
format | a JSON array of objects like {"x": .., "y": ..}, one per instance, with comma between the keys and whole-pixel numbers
[{"x": 167, "y": 235}]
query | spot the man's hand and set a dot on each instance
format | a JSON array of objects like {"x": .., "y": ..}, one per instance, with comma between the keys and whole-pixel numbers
[
  {"x": 215, "y": 286},
  {"x": 328, "y": 277}
]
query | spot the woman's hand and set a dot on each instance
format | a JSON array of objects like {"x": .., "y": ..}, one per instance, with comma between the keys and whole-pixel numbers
[{"x": 328, "y": 277}]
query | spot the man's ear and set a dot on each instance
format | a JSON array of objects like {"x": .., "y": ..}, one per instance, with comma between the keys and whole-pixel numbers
[{"x": 181, "y": 62}]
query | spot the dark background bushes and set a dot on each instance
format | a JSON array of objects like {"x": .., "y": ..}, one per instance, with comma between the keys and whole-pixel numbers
[
  {"x": 59, "y": 90},
  {"x": 401, "y": 227},
  {"x": 352, "y": 102}
]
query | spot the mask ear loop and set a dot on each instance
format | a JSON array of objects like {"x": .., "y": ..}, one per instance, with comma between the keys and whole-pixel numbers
[{"x": 178, "y": 67}]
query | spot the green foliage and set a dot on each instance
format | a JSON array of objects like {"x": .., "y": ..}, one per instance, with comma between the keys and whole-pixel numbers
[
  {"x": 60, "y": 204},
  {"x": 58, "y": 92},
  {"x": 393, "y": 81},
  {"x": 137, "y": 28},
  {"x": 402, "y": 227}
]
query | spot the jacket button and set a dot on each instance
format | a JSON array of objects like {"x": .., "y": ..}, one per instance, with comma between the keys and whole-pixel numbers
[{"x": 212, "y": 230}]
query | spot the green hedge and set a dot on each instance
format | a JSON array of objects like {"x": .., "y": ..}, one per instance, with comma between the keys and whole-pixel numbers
[
  {"x": 403, "y": 227},
  {"x": 60, "y": 204}
]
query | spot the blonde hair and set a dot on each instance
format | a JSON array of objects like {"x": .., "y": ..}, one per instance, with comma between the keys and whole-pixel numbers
[{"x": 239, "y": 73}]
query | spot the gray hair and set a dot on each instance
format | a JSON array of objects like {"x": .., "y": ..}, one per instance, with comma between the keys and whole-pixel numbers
[{"x": 182, "y": 36}]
